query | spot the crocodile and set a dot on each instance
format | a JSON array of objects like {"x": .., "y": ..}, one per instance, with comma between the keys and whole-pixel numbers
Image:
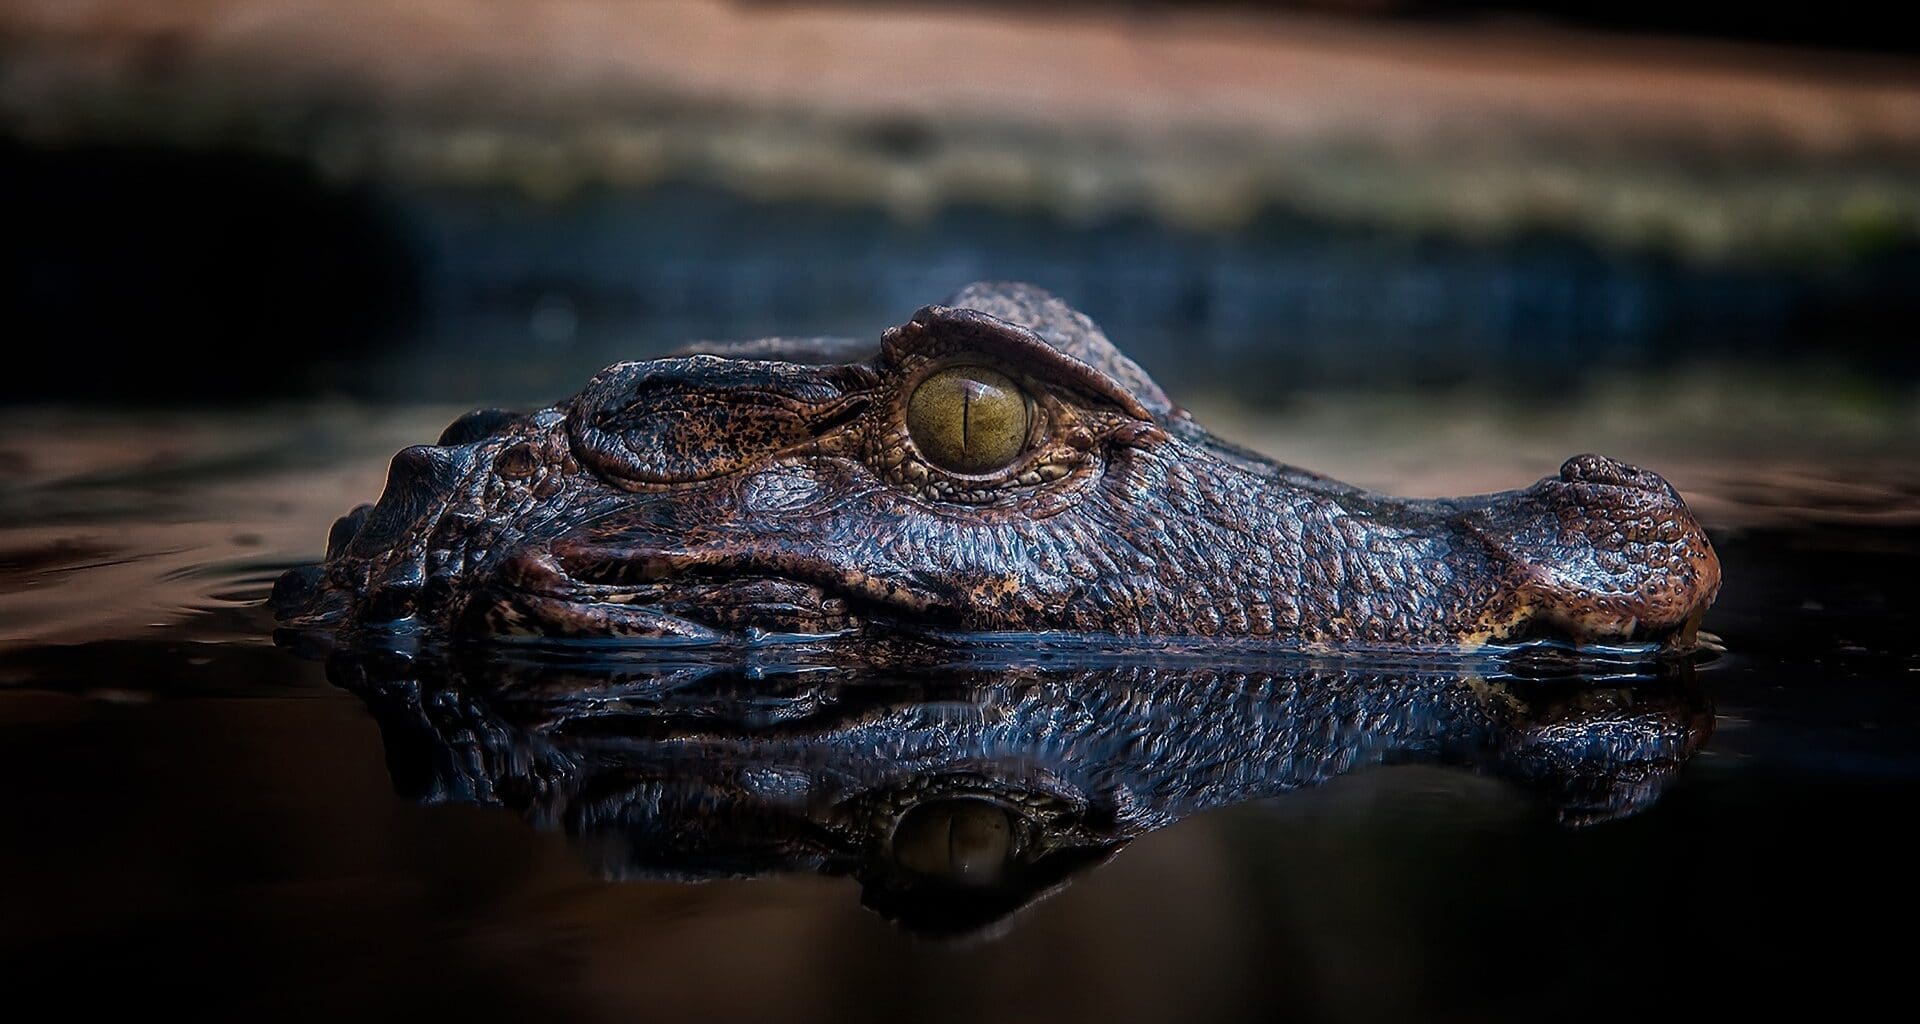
[
  {"x": 958, "y": 794},
  {"x": 993, "y": 465}
]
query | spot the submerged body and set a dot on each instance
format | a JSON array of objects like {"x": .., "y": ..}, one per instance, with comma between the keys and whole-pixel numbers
[{"x": 996, "y": 465}]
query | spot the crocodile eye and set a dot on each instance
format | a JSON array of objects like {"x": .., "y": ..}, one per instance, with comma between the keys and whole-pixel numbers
[
  {"x": 969, "y": 419},
  {"x": 963, "y": 842}
]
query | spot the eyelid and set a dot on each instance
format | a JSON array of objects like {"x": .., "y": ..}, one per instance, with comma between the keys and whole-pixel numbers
[{"x": 998, "y": 343}]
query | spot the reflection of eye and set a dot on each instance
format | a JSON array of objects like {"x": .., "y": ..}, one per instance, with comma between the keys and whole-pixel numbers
[
  {"x": 964, "y": 842},
  {"x": 968, "y": 419}
]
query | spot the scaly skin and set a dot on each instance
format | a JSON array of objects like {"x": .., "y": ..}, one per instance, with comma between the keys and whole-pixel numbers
[
  {"x": 958, "y": 794},
  {"x": 774, "y": 486}
]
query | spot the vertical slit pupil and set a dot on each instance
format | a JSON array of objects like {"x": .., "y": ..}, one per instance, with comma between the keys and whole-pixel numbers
[
  {"x": 942, "y": 420},
  {"x": 966, "y": 414}
]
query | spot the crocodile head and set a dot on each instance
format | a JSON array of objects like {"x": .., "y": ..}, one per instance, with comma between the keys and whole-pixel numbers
[{"x": 993, "y": 464}]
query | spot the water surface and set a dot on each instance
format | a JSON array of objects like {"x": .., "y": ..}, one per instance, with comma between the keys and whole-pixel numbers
[{"x": 201, "y": 819}]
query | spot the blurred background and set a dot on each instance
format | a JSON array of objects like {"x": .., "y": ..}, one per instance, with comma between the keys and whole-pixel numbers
[{"x": 230, "y": 201}]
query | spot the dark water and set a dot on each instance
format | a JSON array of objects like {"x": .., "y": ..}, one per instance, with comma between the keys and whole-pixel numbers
[{"x": 198, "y": 819}]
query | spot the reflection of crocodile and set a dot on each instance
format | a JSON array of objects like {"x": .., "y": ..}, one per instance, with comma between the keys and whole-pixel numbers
[
  {"x": 993, "y": 464},
  {"x": 959, "y": 795}
]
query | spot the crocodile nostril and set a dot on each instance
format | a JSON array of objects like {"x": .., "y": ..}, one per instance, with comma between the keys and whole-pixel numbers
[{"x": 1598, "y": 469}]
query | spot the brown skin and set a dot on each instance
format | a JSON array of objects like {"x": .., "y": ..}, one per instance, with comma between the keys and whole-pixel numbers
[{"x": 997, "y": 466}]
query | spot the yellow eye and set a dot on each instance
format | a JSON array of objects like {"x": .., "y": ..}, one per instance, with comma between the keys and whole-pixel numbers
[{"x": 968, "y": 419}]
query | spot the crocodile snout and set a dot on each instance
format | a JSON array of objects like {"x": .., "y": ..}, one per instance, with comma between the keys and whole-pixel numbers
[{"x": 1603, "y": 552}]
